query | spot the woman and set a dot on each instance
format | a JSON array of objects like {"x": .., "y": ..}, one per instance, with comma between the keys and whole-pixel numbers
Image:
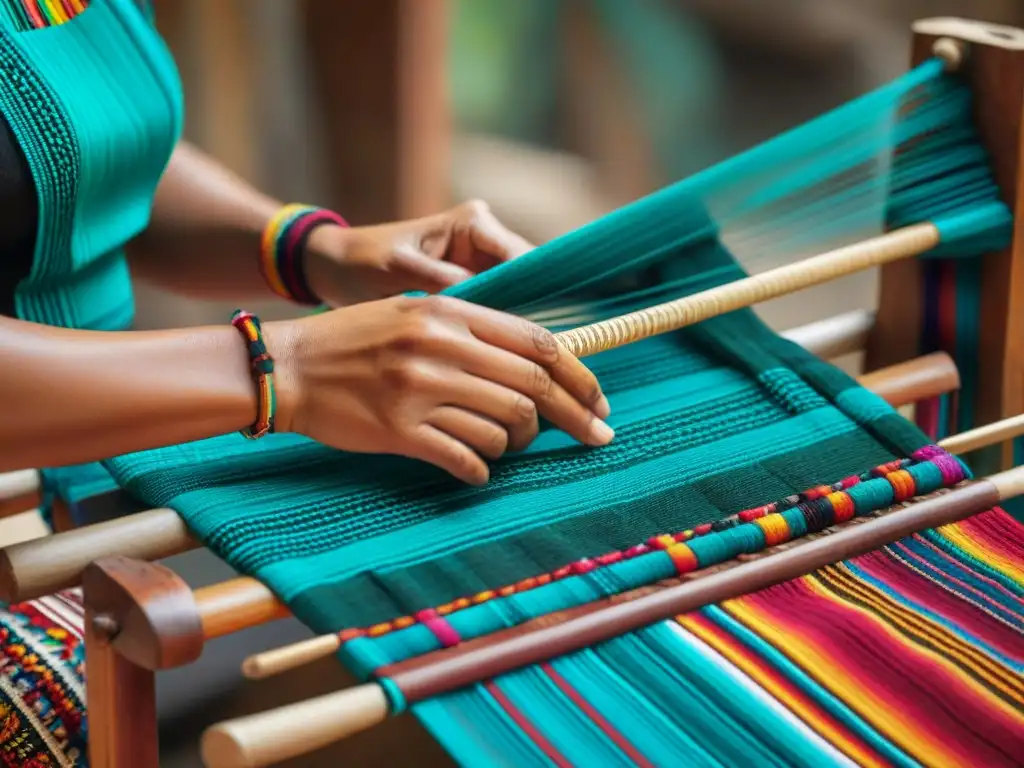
[{"x": 93, "y": 181}]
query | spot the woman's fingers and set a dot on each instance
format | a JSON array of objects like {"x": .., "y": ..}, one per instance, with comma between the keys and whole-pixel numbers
[
  {"x": 489, "y": 236},
  {"x": 419, "y": 272},
  {"x": 515, "y": 411},
  {"x": 537, "y": 345},
  {"x": 529, "y": 379},
  {"x": 483, "y": 435},
  {"x": 433, "y": 446}
]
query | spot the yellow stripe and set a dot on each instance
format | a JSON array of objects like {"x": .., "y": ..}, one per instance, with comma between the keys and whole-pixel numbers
[
  {"x": 770, "y": 684},
  {"x": 267, "y": 242},
  {"x": 884, "y": 607},
  {"x": 995, "y": 560},
  {"x": 897, "y": 727},
  {"x": 56, "y": 12}
]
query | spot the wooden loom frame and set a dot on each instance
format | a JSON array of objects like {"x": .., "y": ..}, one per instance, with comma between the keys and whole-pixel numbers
[
  {"x": 141, "y": 617},
  {"x": 996, "y": 74}
]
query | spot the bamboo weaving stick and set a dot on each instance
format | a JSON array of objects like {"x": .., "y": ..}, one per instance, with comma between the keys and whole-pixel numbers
[
  {"x": 296, "y": 729},
  {"x": 679, "y": 313}
]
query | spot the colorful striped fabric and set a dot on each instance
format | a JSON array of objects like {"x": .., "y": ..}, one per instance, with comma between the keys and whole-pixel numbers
[
  {"x": 910, "y": 655},
  {"x": 39, "y": 14}
]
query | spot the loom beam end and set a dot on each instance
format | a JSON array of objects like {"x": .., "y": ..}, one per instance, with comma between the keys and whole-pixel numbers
[
  {"x": 952, "y": 52},
  {"x": 145, "y": 611},
  {"x": 294, "y": 730},
  {"x": 40, "y": 567}
]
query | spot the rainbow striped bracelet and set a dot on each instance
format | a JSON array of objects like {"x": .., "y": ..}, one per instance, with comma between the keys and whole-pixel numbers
[
  {"x": 262, "y": 373},
  {"x": 283, "y": 247}
]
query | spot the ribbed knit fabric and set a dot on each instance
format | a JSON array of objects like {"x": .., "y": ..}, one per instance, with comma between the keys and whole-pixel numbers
[{"x": 95, "y": 104}]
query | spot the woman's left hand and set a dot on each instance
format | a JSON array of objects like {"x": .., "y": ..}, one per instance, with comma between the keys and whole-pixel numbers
[{"x": 348, "y": 266}]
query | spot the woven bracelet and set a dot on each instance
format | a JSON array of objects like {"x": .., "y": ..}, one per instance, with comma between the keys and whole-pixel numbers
[
  {"x": 283, "y": 250},
  {"x": 262, "y": 373}
]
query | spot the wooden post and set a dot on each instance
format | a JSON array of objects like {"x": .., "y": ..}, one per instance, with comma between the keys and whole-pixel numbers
[
  {"x": 139, "y": 617},
  {"x": 995, "y": 70},
  {"x": 380, "y": 72}
]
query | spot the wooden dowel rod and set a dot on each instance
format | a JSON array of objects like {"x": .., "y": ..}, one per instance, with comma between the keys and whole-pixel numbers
[
  {"x": 239, "y": 743},
  {"x": 915, "y": 380},
  {"x": 834, "y": 336},
  {"x": 23, "y": 482},
  {"x": 43, "y": 566},
  {"x": 990, "y": 434},
  {"x": 746, "y": 292},
  {"x": 268, "y": 737},
  {"x": 237, "y": 604}
]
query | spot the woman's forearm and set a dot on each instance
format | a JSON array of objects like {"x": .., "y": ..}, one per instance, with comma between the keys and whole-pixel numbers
[
  {"x": 204, "y": 237},
  {"x": 70, "y": 396}
]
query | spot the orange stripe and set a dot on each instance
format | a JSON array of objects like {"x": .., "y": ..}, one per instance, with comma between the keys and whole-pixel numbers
[
  {"x": 921, "y": 628},
  {"x": 913, "y": 737}
]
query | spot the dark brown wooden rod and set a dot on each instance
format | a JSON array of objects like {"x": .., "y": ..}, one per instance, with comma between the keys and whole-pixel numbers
[{"x": 560, "y": 633}]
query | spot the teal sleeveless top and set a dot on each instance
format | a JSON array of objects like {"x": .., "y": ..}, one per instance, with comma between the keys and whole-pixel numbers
[{"x": 92, "y": 96}]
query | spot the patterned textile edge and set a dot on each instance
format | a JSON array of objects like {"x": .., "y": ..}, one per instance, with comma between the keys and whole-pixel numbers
[
  {"x": 42, "y": 127},
  {"x": 42, "y": 687},
  {"x": 750, "y": 532}
]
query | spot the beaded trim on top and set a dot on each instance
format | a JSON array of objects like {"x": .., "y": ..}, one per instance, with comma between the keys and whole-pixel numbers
[
  {"x": 929, "y": 469},
  {"x": 39, "y": 14}
]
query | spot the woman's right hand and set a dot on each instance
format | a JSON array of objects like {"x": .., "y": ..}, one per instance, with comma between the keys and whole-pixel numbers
[{"x": 434, "y": 378}]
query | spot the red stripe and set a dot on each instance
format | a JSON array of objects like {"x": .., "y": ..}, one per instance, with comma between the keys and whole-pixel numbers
[
  {"x": 926, "y": 414},
  {"x": 35, "y": 14},
  {"x": 545, "y": 746},
  {"x": 610, "y": 731}
]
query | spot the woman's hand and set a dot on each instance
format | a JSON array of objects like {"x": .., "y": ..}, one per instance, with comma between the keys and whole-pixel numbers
[
  {"x": 434, "y": 378},
  {"x": 347, "y": 266}
]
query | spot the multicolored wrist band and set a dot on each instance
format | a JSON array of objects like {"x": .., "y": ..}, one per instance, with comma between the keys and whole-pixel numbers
[
  {"x": 262, "y": 373},
  {"x": 283, "y": 249}
]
